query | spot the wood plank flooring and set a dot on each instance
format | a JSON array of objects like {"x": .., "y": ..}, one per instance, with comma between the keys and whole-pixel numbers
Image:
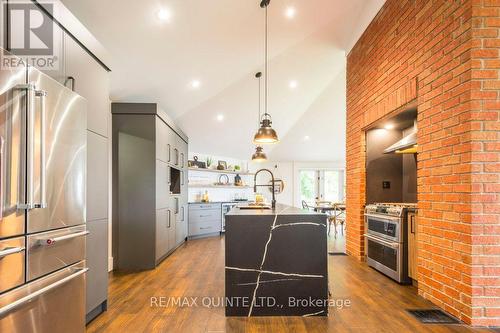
[{"x": 196, "y": 269}]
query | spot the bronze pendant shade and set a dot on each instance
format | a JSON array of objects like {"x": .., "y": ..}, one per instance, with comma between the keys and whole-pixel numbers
[
  {"x": 259, "y": 155},
  {"x": 266, "y": 134}
]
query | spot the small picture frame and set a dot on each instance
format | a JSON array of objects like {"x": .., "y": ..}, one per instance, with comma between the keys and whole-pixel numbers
[{"x": 222, "y": 165}]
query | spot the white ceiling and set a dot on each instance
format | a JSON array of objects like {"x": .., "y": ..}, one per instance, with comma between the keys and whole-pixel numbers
[{"x": 221, "y": 44}]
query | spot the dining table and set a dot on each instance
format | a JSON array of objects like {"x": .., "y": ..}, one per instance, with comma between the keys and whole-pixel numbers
[{"x": 328, "y": 207}]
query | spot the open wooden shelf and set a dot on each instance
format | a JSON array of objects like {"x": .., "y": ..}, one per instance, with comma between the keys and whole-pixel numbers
[
  {"x": 218, "y": 186},
  {"x": 227, "y": 172}
]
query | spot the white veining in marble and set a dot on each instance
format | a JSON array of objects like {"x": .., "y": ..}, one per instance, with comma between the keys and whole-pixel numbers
[
  {"x": 254, "y": 298},
  {"x": 266, "y": 281},
  {"x": 298, "y": 223},
  {"x": 273, "y": 272},
  {"x": 313, "y": 314}
]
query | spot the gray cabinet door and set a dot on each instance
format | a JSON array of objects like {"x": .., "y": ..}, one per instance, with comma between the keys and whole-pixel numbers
[
  {"x": 162, "y": 230},
  {"x": 172, "y": 143},
  {"x": 90, "y": 81},
  {"x": 162, "y": 184},
  {"x": 181, "y": 224},
  {"x": 97, "y": 177},
  {"x": 162, "y": 149},
  {"x": 97, "y": 262},
  {"x": 175, "y": 210}
]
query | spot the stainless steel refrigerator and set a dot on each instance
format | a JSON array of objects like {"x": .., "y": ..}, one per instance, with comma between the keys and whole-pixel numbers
[{"x": 42, "y": 203}]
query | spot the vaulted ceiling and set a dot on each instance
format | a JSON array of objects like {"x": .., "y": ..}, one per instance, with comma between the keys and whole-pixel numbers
[{"x": 220, "y": 43}]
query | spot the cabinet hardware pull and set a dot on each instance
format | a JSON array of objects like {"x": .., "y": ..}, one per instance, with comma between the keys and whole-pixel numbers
[
  {"x": 383, "y": 242},
  {"x": 72, "y": 79}
]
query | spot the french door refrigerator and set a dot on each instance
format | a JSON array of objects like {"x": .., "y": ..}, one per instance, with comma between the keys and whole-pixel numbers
[{"x": 42, "y": 203}]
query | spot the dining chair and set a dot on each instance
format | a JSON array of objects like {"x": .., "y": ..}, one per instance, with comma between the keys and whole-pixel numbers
[{"x": 337, "y": 216}]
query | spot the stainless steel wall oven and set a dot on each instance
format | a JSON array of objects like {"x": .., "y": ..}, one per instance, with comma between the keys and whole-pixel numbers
[{"x": 386, "y": 239}]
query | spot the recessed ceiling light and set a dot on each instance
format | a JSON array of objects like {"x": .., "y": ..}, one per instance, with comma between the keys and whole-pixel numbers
[
  {"x": 389, "y": 126},
  {"x": 293, "y": 84},
  {"x": 220, "y": 117},
  {"x": 164, "y": 14},
  {"x": 195, "y": 84},
  {"x": 307, "y": 138},
  {"x": 290, "y": 12}
]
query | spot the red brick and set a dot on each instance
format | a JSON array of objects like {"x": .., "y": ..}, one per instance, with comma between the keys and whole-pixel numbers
[{"x": 455, "y": 65}]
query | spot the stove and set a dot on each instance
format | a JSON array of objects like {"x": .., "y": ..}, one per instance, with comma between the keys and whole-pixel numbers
[{"x": 386, "y": 238}]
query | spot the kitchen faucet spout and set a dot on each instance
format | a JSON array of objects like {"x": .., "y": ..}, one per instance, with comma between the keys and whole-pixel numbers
[{"x": 273, "y": 202}]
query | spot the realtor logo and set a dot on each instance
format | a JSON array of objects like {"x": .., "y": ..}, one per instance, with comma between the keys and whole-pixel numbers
[
  {"x": 29, "y": 34},
  {"x": 30, "y": 31}
]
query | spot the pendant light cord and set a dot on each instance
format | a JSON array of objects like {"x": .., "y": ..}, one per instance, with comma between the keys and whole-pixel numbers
[
  {"x": 260, "y": 104},
  {"x": 266, "y": 64}
]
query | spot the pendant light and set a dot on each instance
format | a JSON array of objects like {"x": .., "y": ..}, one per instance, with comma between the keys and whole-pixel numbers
[
  {"x": 259, "y": 155},
  {"x": 266, "y": 134}
]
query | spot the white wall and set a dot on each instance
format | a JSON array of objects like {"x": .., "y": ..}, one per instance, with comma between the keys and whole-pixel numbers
[
  {"x": 289, "y": 173},
  {"x": 281, "y": 170}
]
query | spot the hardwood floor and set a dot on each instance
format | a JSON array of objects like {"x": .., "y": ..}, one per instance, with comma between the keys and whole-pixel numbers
[
  {"x": 336, "y": 243},
  {"x": 197, "y": 270}
]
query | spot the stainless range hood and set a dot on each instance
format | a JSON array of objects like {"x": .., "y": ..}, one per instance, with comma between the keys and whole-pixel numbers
[{"x": 407, "y": 145}]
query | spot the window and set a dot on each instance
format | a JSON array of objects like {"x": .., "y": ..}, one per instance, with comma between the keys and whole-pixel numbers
[
  {"x": 308, "y": 184},
  {"x": 322, "y": 185}
]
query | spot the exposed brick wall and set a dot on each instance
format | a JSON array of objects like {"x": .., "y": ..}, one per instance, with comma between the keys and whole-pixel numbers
[
  {"x": 485, "y": 162},
  {"x": 443, "y": 54}
]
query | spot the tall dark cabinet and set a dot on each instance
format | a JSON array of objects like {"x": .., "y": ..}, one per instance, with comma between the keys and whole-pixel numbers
[{"x": 149, "y": 185}]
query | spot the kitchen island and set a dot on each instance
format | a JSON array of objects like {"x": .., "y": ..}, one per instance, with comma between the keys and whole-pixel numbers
[{"x": 276, "y": 262}]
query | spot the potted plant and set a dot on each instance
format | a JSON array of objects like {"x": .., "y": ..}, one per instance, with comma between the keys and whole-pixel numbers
[{"x": 210, "y": 160}]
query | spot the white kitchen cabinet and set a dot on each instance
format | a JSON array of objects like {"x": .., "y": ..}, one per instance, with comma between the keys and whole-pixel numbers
[
  {"x": 97, "y": 177},
  {"x": 91, "y": 81},
  {"x": 97, "y": 282}
]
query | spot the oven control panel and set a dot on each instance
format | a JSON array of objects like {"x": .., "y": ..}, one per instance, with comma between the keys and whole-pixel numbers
[{"x": 384, "y": 210}]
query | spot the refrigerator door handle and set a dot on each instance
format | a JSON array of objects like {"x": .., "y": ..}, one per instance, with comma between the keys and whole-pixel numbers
[
  {"x": 43, "y": 179},
  {"x": 53, "y": 240},
  {"x": 11, "y": 250},
  {"x": 14, "y": 305},
  {"x": 26, "y": 161}
]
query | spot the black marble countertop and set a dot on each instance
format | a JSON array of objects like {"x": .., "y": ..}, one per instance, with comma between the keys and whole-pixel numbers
[{"x": 279, "y": 210}]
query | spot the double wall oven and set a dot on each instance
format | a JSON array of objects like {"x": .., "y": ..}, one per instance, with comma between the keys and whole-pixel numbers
[
  {"x": 42, "y": 203},
  {"x": 386, "y": 240}
]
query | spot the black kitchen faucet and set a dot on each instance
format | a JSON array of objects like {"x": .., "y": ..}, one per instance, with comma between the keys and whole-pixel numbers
[{"x": 273, "y": 202}]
